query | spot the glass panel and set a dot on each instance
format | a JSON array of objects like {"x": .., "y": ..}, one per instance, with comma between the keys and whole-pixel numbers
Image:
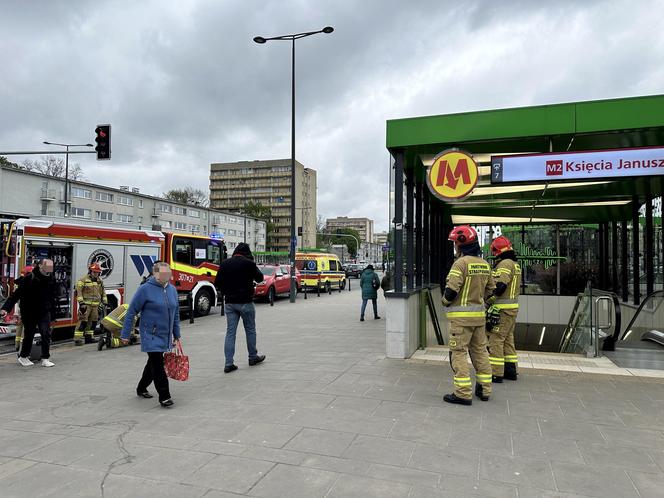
[
  {"x": 577, "y": 335},
  {"x": 648, "y": 324}
]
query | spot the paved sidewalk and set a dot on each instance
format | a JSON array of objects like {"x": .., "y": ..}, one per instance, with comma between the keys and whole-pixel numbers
[{"x": 325, "y": 416}]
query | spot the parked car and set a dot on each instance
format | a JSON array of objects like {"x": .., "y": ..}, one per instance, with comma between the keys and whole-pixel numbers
[
  {"x": 276, "y": 281},
  {"x": 354, "y": 270},
  {"x": 285, "y": 269}
]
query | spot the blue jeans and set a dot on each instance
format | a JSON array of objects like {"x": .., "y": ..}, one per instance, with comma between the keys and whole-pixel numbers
[
  {"x": 364, "y": 307},
  {"x": 247, "y": 312}
]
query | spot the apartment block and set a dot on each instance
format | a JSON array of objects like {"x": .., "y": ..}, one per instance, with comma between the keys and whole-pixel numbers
[
  {"x": 28, "y": 194},
  {"x": 232, "y": 185},
  {"x": 364, "y": 226}
]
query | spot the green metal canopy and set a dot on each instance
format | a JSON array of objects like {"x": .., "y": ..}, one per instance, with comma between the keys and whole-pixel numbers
[{"x": 580, "y": 126}]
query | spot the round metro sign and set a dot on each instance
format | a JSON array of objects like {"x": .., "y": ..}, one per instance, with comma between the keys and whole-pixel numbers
[{"x": 452, "y": 175}]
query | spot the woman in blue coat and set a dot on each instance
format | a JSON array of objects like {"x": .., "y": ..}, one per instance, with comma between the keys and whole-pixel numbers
[
  {"x": 370, "y": 283},
  {"x": 157, "y": 303}
]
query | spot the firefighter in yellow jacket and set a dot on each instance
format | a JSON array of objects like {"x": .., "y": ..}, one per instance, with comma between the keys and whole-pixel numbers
[
  {"x": 90, "y": 295},
  {"x": 112, "y": 326},
  {"x": 507, "y": 274},
  {"x": 469, "y": 284}
]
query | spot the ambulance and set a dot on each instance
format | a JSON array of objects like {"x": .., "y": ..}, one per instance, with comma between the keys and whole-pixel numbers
[
  {"x": 319, "y": 268},
  {"x": 125, "y": 255}
]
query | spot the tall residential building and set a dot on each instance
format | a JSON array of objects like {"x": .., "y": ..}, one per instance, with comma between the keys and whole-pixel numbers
[
  {"x": 364, "y": 226},
  {"x": 232, "y": 185},
  {"x": 25, "y": 194},
  {"x": 380, "y": 238}
]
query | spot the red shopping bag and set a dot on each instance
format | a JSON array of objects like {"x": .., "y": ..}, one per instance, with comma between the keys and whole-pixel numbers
[{"x": 176, "y": 363}]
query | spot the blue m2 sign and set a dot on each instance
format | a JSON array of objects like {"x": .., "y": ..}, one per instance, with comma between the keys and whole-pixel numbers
[{"x": 143, "y": 263}]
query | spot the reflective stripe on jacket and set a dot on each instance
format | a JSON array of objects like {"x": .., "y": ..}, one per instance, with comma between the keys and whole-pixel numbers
[
  {"x": 508, "y": 272},
  {"x": 90, "y": 290},
  {"x": 470, "y": 277}
]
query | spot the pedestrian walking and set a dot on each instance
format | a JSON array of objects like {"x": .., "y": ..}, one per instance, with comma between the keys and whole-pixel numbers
[
  {"x": 507, "y": 274},
  {"x": 90, "y": 295},
  {"x": 157, "y": 303},
  {"x": 469, "y": 284},
  {"x": 235, "y": 281},
  {"x": 19, "y": 323},
  {"x": 369, "y": 283},
  {"x": 386, "y": 282},
  {"x": 37, "y": 304}
]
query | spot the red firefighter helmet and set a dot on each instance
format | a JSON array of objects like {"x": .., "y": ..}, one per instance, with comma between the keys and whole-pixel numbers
[
  {"x": 94, "y": 268},
  {"x": 26, "y": 269},
  {"x": 464, "y": 234},
  {"x": 500, "y": 245}
]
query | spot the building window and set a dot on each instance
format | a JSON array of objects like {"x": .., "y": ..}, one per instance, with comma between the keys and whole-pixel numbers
[
  {"x": 80, "y": 213},
  {"x": 194, "y": 214},
  {"x": 166, "y": 224},
  {"x": 204, "y": 215},
  {"x": 140, "y": 203},
  {"x": 180, "y": 225},
  {"x": 125, "y": 201},
  {"x": 125, "y": 218},
  {"x": 104, "y": 197},
  {"x": 194, "y": 228},
  {"x": 180, "y": 210},
  {"x": 165, "y": 208},
  {"x": 140, "y": 219},
  {"x": 231, "y": 220},
  {"x": 232, "y": 232},
  {"x": 83, "y": 193},
  {"x": 104, "y": 216}
]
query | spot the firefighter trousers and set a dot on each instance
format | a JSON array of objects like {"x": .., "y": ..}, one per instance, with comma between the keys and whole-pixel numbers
[
  {"x": 501, "y": 345},
  {"x": 464, "y": 340},
  {"x": 87, "y": 321}
]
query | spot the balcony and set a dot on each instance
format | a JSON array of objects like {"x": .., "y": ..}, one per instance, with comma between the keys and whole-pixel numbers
[{"x": 48, "y": 194}]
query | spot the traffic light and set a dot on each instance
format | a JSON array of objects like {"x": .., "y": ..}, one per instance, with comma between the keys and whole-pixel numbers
[{"x": 103, "y": 140}]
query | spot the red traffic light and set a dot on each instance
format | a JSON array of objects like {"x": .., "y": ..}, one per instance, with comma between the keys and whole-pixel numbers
[{"x": 103, "y": 140}]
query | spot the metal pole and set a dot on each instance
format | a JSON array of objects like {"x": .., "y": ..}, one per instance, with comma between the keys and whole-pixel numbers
[
  {"x": 293, "y": 239},
  {"x": 399, "y": 159},
  {"x": 66, "y": 181}
]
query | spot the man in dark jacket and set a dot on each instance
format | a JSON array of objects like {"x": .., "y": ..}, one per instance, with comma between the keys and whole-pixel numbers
[
  {"x": 37, "y": 303},
  {"x": 235, "y": 280}
]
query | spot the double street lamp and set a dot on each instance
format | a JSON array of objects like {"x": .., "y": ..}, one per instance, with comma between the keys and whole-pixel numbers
[
  {"x": 67, "y": 169},
  {"x": 293, "y": 241}
]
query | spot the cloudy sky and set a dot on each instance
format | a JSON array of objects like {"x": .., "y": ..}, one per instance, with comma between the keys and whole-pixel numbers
[{"x": 184, "y": 85}]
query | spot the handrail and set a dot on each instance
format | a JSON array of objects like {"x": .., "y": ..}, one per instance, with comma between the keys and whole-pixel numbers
[
  {"x": 565, "y": 338},
  {"x": 9, "y": 239},
  {"x": 610, "y": 341},
  {"x": 638, "y": 311}
]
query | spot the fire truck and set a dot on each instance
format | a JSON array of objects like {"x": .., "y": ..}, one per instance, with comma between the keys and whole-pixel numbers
[{"x": 126, "y": 257}]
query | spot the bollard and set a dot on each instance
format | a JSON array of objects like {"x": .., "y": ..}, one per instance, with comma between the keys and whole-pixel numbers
[
  {"x": 271, "y": 298},
  {"x": 348, "y": 279},
  {"x": 191, "y": 307},
  {"x": 305, "y": 291},
  {"x": 329, "y": 287},
  {"x": 221, "y": 300},
  {"x": 318, "y": 286},
  {"x": 340, "y": 285}
]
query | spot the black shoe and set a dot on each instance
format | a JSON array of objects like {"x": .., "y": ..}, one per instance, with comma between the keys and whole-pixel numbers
[
  {"x": 510, "y": 371},
  {"x": 90, "y": 340},
  {"x": 167, "y": 403},
  {"x": 100, "y": 345},
  {"x": 497, "y": 379},
  {"x": 145, "y": 394},
  {"x": 479, "y": 392},
  {"x": 376, "y": 318},
  {"x": 453, "y": 398},
  {"x": 361, "y": 318},
  {"x": 230, "y": 368},
  {"x": 257, "y": 360}
]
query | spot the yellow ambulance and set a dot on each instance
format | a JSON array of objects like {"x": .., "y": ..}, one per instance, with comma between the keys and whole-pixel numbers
[{"x": 320, "y": 267}]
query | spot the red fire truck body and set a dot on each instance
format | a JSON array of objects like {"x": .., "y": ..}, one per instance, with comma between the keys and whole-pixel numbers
[{"x": 126, "y": 257}]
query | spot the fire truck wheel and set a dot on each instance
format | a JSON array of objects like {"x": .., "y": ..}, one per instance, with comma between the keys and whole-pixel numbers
[{"x": 203, "y": 302}]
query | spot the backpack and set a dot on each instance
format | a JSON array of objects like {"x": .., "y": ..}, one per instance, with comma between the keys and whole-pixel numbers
[{"x": 375, "y": 283}]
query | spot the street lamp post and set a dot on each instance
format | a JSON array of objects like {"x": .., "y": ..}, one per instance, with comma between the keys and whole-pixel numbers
[
  {"x": 67, "y": 169},
  {"x": 293, "y": 241}
]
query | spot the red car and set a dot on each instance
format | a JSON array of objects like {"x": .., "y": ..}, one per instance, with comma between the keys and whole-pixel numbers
[{"x": 276, "y": 280}]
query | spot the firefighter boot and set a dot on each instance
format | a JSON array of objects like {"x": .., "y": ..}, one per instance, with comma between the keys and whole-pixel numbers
[
  {"x": 453, "y": 398},
  {"x": 510, "y": 371},
  {"x": 90, "y": 339},
  {"x": 479, "y": 392},
  {"x": 497, "y": 379},
  {"x": 78, "y": 334}
]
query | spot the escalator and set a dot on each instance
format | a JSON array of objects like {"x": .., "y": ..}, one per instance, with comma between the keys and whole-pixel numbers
[{"x": 641, "y": 343}]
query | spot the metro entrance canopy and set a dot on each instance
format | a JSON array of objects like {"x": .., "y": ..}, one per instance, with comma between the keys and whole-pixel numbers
[{"x": 628, "y": 123}]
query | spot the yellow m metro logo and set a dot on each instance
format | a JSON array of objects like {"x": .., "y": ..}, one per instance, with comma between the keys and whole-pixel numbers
[{"x": 452, "y": 175}]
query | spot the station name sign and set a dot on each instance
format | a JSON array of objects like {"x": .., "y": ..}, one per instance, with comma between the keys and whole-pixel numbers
[{"x": 584, "y": 165}]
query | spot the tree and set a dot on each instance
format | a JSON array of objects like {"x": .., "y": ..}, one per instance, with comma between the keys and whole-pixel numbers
[
  {"x": 342, "y": 236},
  {"x": 54, "y": 166},
  {"x": 7, "y": 163},
  {"x": 188, "y": 195}
]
